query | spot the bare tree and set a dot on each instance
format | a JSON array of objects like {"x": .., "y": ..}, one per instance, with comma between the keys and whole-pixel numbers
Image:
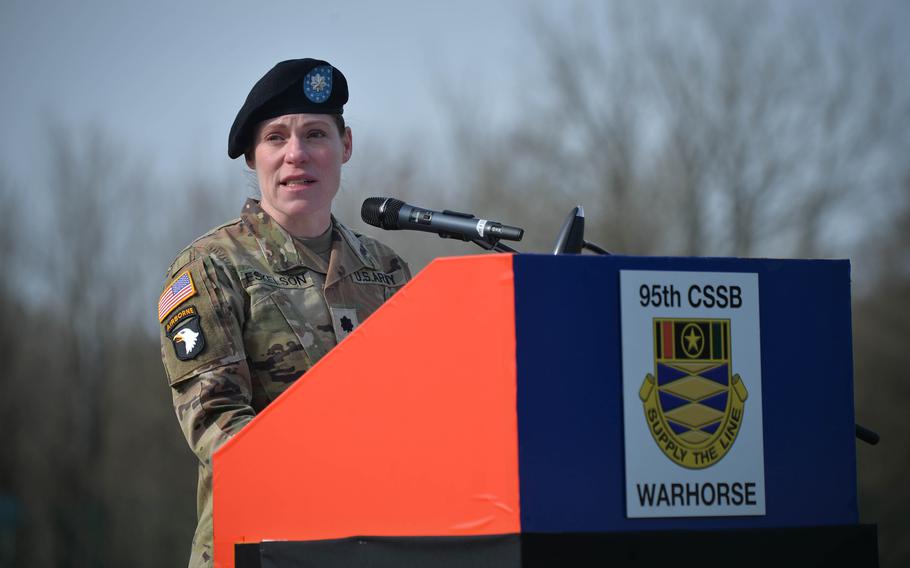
[
  {"x": 96, "y": 443},
  {"x": 708, "y": 128},
  {"x": 881, "y": 331},
  {"x": 10, "y": 388}
]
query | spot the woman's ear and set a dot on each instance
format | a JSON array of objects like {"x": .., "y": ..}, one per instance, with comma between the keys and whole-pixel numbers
[{"x": 347, "y": 142}]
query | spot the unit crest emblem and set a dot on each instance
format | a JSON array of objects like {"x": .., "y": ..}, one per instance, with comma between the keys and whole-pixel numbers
[{"x": 693, "y": 403}]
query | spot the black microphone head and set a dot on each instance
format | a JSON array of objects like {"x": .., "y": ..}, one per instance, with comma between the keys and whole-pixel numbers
[
  {"x": 381, "y": 212},
  {"x": 370, "y": 210},
  {"x": 571, "y": 238}
]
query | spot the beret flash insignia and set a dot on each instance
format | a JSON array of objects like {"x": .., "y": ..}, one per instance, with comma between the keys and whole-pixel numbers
[{"x": 317, "y": 84}]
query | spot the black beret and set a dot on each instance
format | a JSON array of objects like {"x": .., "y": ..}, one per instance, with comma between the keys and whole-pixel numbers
[{"x": 291, "y": 87}]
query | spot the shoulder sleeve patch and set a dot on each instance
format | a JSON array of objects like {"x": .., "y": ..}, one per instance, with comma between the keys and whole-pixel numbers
[
  {"x": 178, "y": 291},
  {"x": 198, "y": 335}
]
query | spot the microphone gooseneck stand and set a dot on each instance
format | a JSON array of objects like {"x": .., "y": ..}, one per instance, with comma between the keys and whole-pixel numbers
[{"x": 571, "y": 238}]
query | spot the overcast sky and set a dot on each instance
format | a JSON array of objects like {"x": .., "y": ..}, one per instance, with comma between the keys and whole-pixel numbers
[{"x": 166, "y": 78}]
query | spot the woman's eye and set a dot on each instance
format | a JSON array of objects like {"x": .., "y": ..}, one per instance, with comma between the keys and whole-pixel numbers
[{"x": 273, "y": 137}]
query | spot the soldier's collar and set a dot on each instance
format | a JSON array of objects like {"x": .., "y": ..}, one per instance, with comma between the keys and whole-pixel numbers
[
  {"x": 276, "y": 244},
  {"x": 348, "y": 254},
  {"x": 280, "y": 250}
]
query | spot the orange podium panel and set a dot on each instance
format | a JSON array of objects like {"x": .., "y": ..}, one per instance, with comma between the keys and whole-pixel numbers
[{"x": 389, "y": 434}]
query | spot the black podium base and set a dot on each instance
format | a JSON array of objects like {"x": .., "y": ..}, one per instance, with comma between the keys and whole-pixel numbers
[
  {"x": 379, "y": 552},
  {"x": 854, "y": 545}
]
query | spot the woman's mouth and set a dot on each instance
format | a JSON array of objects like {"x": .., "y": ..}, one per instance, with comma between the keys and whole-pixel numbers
[{"x": 296, "y": 183}]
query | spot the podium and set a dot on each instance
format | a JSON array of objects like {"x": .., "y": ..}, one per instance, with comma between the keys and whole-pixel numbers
[{"x": 512, "y": 410}]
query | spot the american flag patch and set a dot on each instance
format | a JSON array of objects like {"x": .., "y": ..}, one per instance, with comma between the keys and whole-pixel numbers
[{"x": 179, "y": 290}]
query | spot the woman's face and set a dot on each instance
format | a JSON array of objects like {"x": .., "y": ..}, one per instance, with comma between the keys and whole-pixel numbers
[{"x": 297, "y": 158}]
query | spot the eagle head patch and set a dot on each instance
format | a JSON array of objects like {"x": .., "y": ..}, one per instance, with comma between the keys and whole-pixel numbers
[{"x": 185, "y": 331}]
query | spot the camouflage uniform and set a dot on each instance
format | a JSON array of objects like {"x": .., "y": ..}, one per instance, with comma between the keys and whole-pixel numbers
[{"x": 266, "y": 309}]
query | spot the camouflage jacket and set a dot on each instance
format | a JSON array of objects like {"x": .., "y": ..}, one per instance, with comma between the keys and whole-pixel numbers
[{"x": 245, "y": 311}]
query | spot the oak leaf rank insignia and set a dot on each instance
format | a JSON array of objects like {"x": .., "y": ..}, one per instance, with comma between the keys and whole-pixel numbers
[{"x": 317, "y": 85}]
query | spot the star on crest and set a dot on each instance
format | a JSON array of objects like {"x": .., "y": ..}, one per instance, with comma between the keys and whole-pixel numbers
[{"x": 694, "y": 340}]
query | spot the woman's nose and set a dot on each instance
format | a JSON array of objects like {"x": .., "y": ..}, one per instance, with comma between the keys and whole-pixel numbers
[{"x": 296, "y": 151}]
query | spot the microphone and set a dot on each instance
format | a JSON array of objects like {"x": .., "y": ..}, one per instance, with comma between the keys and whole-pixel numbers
[
  {"x": 393, "y": 214},
  {"x": 571, "y": 238}
]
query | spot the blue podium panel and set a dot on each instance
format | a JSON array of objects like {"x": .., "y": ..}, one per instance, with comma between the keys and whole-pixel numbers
[{"x": 570, "y": 393}]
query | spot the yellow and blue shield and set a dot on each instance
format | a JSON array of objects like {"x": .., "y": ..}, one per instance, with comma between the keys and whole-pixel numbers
[{"x": 693, "y": 403}]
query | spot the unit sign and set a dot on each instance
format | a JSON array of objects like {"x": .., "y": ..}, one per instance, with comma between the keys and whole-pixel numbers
[{"x": 691, "y": 360}]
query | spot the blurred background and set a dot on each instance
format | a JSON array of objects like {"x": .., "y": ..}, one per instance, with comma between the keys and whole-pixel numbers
[{"x": 725, "y": 128}]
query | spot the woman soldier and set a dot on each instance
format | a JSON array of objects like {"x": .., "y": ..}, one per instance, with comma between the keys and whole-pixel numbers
[{"x": 251, "y": 305}]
